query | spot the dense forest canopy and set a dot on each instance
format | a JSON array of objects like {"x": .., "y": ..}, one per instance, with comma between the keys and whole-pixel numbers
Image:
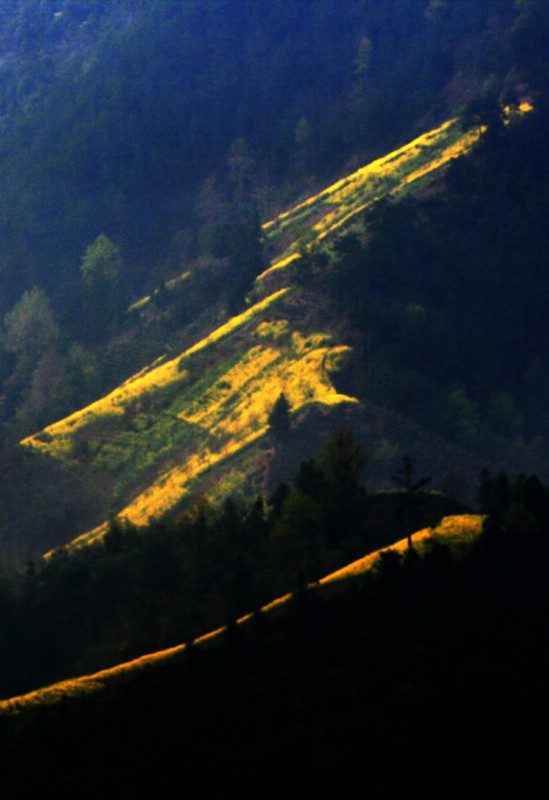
[{"x": 114, "y": 114}]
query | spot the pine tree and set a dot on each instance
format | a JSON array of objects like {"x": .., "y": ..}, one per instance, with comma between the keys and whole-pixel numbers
[
  {"x": 279, "y": 418},
  {"x": 410, "y": 487}
]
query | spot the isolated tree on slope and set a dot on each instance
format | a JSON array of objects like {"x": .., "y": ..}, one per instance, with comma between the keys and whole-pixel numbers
[
  {"x": 410, "y": 488},
  {"x": 101, "y": 262},
  {"x": 101, "y": 270},
  {"x": 279, "y": 418}
]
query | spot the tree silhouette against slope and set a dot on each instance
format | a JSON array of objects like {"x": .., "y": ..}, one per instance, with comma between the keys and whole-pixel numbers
[
  {"x": 279, "y": 418},
  {"x": 404, "y": 478}
]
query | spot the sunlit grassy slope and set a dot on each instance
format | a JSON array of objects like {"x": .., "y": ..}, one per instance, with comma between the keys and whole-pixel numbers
[
  {"x": 456, "y": 531},
  {"x": 392, "y": 175},
  {"x": 161, "y": 434},
  {"x": 208, "y": 404},
  {"x": 57, "y": 438}
]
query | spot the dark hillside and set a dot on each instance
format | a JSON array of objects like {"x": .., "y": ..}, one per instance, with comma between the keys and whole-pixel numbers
[
  {"x": 430, "y": 672},
  {"x": 145, "y": 589},
  {"x": 447, "y": 299},
  {"x": 156, "y": 364}
]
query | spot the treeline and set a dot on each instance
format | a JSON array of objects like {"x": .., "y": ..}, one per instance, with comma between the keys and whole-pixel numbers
[
  {"x": 430, "y": 670},
  {"x": 141, "y": 590}
]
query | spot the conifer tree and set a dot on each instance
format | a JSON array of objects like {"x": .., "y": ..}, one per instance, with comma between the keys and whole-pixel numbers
[
  {"x": 410, "y": 488},
  {"x": 279, "y": 418}
]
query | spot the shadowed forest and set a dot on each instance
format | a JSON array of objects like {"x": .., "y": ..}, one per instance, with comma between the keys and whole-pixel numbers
[{"x": 273, "y": 297}]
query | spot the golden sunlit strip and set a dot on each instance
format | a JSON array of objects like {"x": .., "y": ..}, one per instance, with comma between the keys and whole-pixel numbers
[
  {"x": 335, "y": 206},
  {"x": 457, "y": 529},
  {"x": 235, "y": 410},
  {"x": 148, "y": 379},
  {"x": 229, "y": 408}
]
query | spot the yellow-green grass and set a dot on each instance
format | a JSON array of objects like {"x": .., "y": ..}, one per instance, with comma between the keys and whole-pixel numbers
[
  {"x": 454, "y": 530},
  {"x": 397, "y": 173},
  {"x": 336, "y": 204},
  {"x": 56, "y": 439},
  {"x": 169, "y": 488},
  {"x": 391, "y": 175},
  {"x": 458, "y": 529},
  {"x": 204, "y": 421},
  {"x": 228, "y": 408},
  {"x": 234, "y": 413}
]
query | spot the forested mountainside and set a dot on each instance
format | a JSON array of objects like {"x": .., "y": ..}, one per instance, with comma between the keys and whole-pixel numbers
[
  {"x": 376, "y": 264},
  {"x": 202, "y": 421},
  {"x": 273, "y": 282},
  {"x": 427, "y": 669},
  {"x": 116, "y": 117}
]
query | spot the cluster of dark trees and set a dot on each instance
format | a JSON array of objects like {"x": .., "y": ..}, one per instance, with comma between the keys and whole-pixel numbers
[
  {"x": 140, "y": 590},
  {"x": 429, "y": 671}
]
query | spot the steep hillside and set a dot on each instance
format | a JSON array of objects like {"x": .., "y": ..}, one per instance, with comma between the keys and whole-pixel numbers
[
  {"x": 427, "y": 671},
  {"x": 173, "y": 428},
  {"x": 199, "y": 409},
  {"x": 164, "y": 133},
  {"x": 393, "y": 175},
  {"x": 233, "y": 361},
  {"x": 458, "y": 532}
]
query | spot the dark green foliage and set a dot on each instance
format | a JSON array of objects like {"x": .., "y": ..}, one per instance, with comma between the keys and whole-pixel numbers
[
  {"x": 446, "y": 300},
  {"x": 34, "y": 387},
  {"x": 513, "y": 506},
  {"x": 430, "y": 672},
  {"x": 112, "y": 117},
  {"x": 485, "y": 111},
  {"x": 279, "y": 418},
  {"x": 378, "y": 689},
  {"x": 530, "y": 42},
  {"x": 175, "y": 130},
  {"x": 493, "y": 494},
  {"x": 101, "y": 263},
  {"x": 142, "y": 590},
  {"x": 229, "y": 240},
  {"x": 105, "y": 300},
  {"x": 61, "y": 501},
  {"x": 410, "y": 487},
  {"x": 342, "y": 460}
]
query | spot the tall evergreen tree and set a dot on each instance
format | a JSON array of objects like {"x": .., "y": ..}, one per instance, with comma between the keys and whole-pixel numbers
[
  {"x": 410, "y": 487},
  {"x": 279, "y": 419}
]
